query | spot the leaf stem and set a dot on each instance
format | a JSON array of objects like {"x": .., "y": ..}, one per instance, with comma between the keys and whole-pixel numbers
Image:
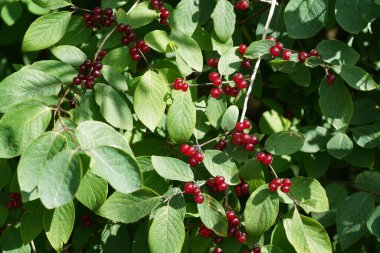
[{"x": 104, "y": 42}]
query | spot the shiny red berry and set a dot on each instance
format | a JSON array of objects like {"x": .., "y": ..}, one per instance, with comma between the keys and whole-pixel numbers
[
  {"x": 286, "y": 182},
  {"x": 302, "y": 56},
  {"x": 242, "y": 48},
  {"x": 268, "y": 159},
  {"x": 198, "y": 157},
  {"x": 193, "y": 162},
  {"x": 279, "y": 45},
  {"x": 246, "y": 64},
  {"x": 286, "y": 55},
  {"x": 314, "y": 52},
  {"x": 285, "y": 189},
  {"x": 277, "y": 182},
  {"x": 260, "y": 156},
  {"x": 246, "y": 124},
  {"x": 199, "y": 199},
  {"x": 275, "y": 51},
  {"x": 189, "y": 188},
  {"x": 184, "y": 148},
  {"x": 272, "y": 187},
  {"x": 213, "y": 76},
  {"x": 242, "y": 84},
  {"x": 238, "y": 77},
  {"x": 330, "y": 78},
  {"x": 216, "y": 92},
  {"x": 239, "y": 126}
]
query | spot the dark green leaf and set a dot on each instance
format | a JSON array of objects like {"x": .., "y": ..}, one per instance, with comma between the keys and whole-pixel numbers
[
  {"x": 340, "y": 146},
  {"x": 219, "y": 164},
  {"x": 92, "y": 191},
  {"x": 284, "y": 143}
]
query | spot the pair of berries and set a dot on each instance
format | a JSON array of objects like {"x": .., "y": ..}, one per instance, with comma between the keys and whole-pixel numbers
[
  {"x": 193, "y": 189},
  {"x": 14, "y": 200},
  {"x": 214, "y": 77},
  {"x": 99, "y": 17},
  {"x": 129, "y": 35},
  {"x": 89, "y": 71},
  {"x": 221, "y": 145},
  {"x": 242, "y": 190},
  {"x": 204, "y": 231},
  {"x": 242, "y": 5},
  {"x": 233, "y": 230},
  {"x": 238, "y": 79},
  {"x": 86, "y": 221},
  {"x": 196, "y": 157},
  {"x": 139, "y": 47},
  {"x": 217, "y": 184},
  {"x": 164, "y": 13},
  {"x": 284, "y": 184},
  {"x": 255, "y": 249},
  {"x": 180, "y": 84},
  {"x": 264, "y": 158},
  {"x": 213, "y": 62},
  {"x": 302, "y": 56},
  {"x": 249, "y": 141}
]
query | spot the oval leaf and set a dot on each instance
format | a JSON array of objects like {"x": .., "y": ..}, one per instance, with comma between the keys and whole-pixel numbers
[
  {"x": 218, "y": 163},
  {"x": 284, "y": 143},
  {"x": 172, "y": 168}
]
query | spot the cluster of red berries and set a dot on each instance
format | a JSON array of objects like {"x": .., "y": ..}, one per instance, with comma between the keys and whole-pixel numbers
[
  {"x": 217, "y": 184},
  {"x": 242, "y": 5},
  {"x": 14, "y": 200},
  {"x": 284, "y": 183},
  {"x": 233, "y": 91},
  {"x": 213, "y": 62},
  {"x": 204, "y": 231},
  {"x": 264, "y": 158},
  {"x": 221, "y": 145},
  {"x": 129, "y": 36},
  {"x": 140, "y": 47},
  {"x": 194, "y": 189},
  {"x": 242, "y": 189},
  {"x": 86, "y": 221},
  {"x": 180, "y": 84},
  {"x": 164, "y": 13},
  {"x": 99, "y": 17},
  {"x": 233, "y": 224},
  {"x": 255, "y": 249},
  {"x": 89, "y": 71},
  {"x": 240, "y": 138},
  {"x": 196, "y": 157}
]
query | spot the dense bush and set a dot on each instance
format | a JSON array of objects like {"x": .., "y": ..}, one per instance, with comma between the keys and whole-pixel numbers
[{"x": 190, "y": 126}]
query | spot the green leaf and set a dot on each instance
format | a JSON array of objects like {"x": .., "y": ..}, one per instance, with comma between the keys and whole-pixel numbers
[
  {"x": 11, "y": 12},
  {"x": 20, "y": 126},
  {"x": 337, "y": 52},
  {"x": 301, "y": 76},
  {"x": 119, "y": 58},
  {"x": 26, "y": 84},
  {"x": 189, "y": 50},
  {"x": 335, "y": 103},
  {"x": 271, "y": 122},
  {"x": 315, "y": 138},
  {"x": 284, "y": 143},
  {"x": 352, "y": 217},
  {"x": 365, "y": 111},
  {"x": 215, "y": 110},
  {"x": 340, "y": 146},
  {"x": 224, "y": 20},
  {"x": 45, "y": 31},
  {"x": 11, "y": 241},
  {"x": 172, "y": 168},
  {"x": 113, "y": 3},
  {"x": 213, "y": 215},
  {"x": 114, "y": 237},
  {"x": 253, "y": 174},
  {"x": 119, "y": 168},
  {"x": 157, "y": 40},
  {"x": 114, "y": 78},
  {"x": 258, "y": 48},
  {"x": 151, "y": 179},
  {"x": 373, "y": 223},
  {"x": 219, "y": 46},
  {"x": 92, "y": 192},
  {"x": 353, "y": 16},
  {"x": 141, "y": 15},
  {"x": 230, "y": 117},
  {"x": 271, "y": 249},
  {"x": 186, "y": 16},
  {"x": 279, "y": 239},
  {"x": 229, "y": 62},
  {"x": 59, "y": 179},
  {"x": 77, "y": 32},
  {"x": 69, "y": 54},
  {"x": 218, "y": 163},
  {"x": 356, "y": 77},
  {"x": 310, "y": 194},
  {"x": 149, "y": 99},
  {"x": 305, "y": 234},
  {"x": 367, "y": 136},
  {"x": 181, "y": 118},
  {"x": 317, "y": 164},
  {"x": 305, "y": 19},
  {"x": 32, "y": 221},
  {"x": 368, "y": 181},
  {"x": 51, "y": 4},
  {"x": 60, "y": 70},
  {"x": 31, "y": 163},
  {"x": 6, "y": 175},
  {"x": 113, "y": 107},
  {"x": 167, "y": 233},
  {"x": 58, "y": 225},
  {"x": 360, "y": 157},
  {"x": 129, "y": 208},
  {"x": 261, "y": 210}
]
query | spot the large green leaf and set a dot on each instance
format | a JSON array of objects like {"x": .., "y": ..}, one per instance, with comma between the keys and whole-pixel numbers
[
  {"x": 351, "y": 218},
  {"x": 224, "y": 20},
  {"x": 114, "y": 237},
  {"x": 230, "y": 117},
  {"x": 58, "y": 225},
  {"x": 59, "y": 179},
  {"x": 186, "y": 16},
  {"x": 315, "y": 138},
  {"x": 129, "y": 208},
  {"x": 365, "y": 111},
  {"x": 141, "y": 15},
  {"x": 305, "y": 234},
  {"x": 219, "y": 163},
  {"x": 317, "y": 164},
  {"x": 213, "y": 215},
  {"x": 149, "y": 99},
  {"x": 32, "y": 221},
  {"x": 11, "y": 241},
  {"x": 284, "y": 143},
  {"x": 92, "y": 191},
  {"x": 305, "y": 18},
  {"x": 335, "y": 103},
  {"x": 261, "y": 210},
  {"x": 279, "y": 239},
  {"x": 188, "y": 49},
  {"x": 119, "y": 168},
  {"x": 20, "y": 126},
  {"x": 215, "y": 110},
  {"x": 229, "y": 62},
  {"x": 356, "y": 77},
  {"x": 51, "y": 4},
  {"x": 258, "y": 48},
  {"x": 368, "y": 181},
  {"x": 33, "y": 160},
  {"x": 172, "y": 168},
  {"x": 373, "y": 223},
  {"x": 58, "y": 69},
  {"x": 77, "y": 32},
  {"x": 151, "y": 178},
  {"x": 69, "y": 54},
  {"x": 181, "y": 118},
  {"x": 167, "y": 233},
  {"x": 157, "y": 40},
  {"x": 11, "y": 12},
  {"x": 353, "y": 16},
  {"x": 367, "y": 136},
  {"x": 114, "y": 78},
  {"x": 340, "y": 146},
  {"x": 46, "y": 31},
  {"x": 337, "y": 52}
]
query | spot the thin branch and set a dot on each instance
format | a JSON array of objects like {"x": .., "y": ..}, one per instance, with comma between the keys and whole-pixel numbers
[
  {"x": 214, "y": 139},
  {"x": 273, "y": 171},
  {"x": 257, "y": 65},
  {"x": 133, "y": 6},
  {"x": 104, "y": 42},
  {"x": 33, "y": 247},
  {"x": 253, "y": 15}
]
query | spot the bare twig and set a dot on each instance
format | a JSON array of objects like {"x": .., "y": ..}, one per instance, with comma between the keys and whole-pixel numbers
[
  {"x": 133, "y": 6},
  {"x": 104, "y": 42},
  {"x": 273, "y": 171},
  {"x": 33, "y": 247}
]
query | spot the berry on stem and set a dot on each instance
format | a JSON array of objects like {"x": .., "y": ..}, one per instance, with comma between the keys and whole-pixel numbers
[
  {"x": 286, "y": 54},
  {"x": 330, "y": 78},
  {"x": 242, "y": 49},
  {"x": 302, "y": 56},
  {"x": 199, "y": 199},
  {"x": 275, "y": 51}
]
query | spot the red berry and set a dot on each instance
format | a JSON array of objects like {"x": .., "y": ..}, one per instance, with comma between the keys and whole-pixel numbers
[
  {"x": 238, "y": 77},
  {"x": 279, "y": 45},
  {"x": 236, "y": 138},
  {"x": 184, "y": 87},
  {"x": 210, "y": 62},
  {"x": 199, "y": 199},
  {"x": 330, "y": 78},
  {"x": 242, "y": 48},
  {"x": 286, "y": 54},
  {"x": 261, "y": 156},
  {"x": 234, "y": 91},
  {"x": 87, "y": 17},
  {"x": 196, "y": 190},
  {"x": 268, "y": 159},
  {"x": 244, "y": 188},
  {"x": 242, "y": 5},
  {"x": 277, "y": 181},
  {"x": 217, "y": 82},
  {"x": 246, "y": 124},
  {"x": 76, "y": 81},
  {"x": 9, "y": 205},
  {"x": 286, "y": 182},
  {"x": 164, "y": 22},
  {"x": 285, "y": 189},
  {"x": 232, "y": 231},
  {"x": 246, "y": 64},
  {"x": 98, "y": 66},
  {"x": 314, "y": 52},
  {"x": 133, "y": 50},
  {"x": 242, "y": 84},
  {"x": 184, "y": 148},
  {"x": 238, "y": 191},
  {"x": 198, "y": 157},
  {"x": 239, "y": 126},
  {"x": 222, "y": 187},
  {"x": 216, "y": 92},
  {"x": 234, "y": 222},
  {"x": 189, "y": 188},
  {"x": 95, "y": 73},
  {"x": 302, "y": 56},
  {"x": 108, "y": 12},
  {"x": 154, "y": 4},
  {"x": 219, "y": 180},
  {"x": 218, "y": 250},
  {"x": 275, "y": 51},
  {"x": 211, "y": 183},
  {"x": 125, "y": 41},
  {"x": 191, "y": 151},
  {"x": 271, "y": 38},
  {"x": 242, "y": 237},
  {"x": 244, "y": 137},
  {"x": 230, "y": 214},
  {"x": 272, "y": 187},
  {"x": 249, "y": 147},
  {"x": 107, "y": 22},
  {"x": 136, "y": 57},
  {"x": 165, "y": 14},
  {"x": 193, "y": 162},
  {"x": 256, "y": 249},
  {"x": 253, "y": 140},
  {"x": 97, "y": 10},
  {"x": 213, "y": 76},
  {"x": 122, "y": 28},
  {"x": 218, "y": 240}
]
